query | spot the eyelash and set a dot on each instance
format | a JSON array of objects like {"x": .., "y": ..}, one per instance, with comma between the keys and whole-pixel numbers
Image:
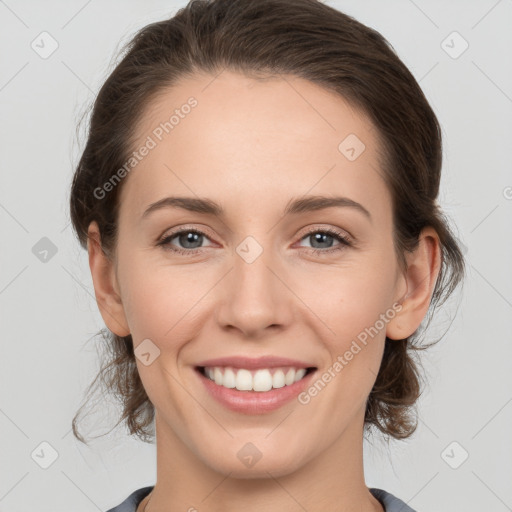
[{"x": 344, "y": 241}]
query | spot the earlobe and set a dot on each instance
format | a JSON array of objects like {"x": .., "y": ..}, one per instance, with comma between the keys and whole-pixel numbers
[
  {"x": 105, "y": 284},
  {"x": 423, "y": 266}
]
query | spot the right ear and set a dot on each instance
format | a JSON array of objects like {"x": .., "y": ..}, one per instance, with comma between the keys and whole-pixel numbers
[{"x": 106, "y": 287}]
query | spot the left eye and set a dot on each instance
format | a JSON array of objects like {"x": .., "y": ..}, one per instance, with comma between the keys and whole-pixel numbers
[{"x": 324, "y": 239}]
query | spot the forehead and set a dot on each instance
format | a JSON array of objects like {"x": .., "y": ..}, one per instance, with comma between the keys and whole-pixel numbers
[{"x": 234, "y": 137}]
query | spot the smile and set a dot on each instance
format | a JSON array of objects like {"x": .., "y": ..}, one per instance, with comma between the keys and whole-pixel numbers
[
  {"x": 261, "y": 380},
  {"x": 254, "y": 391}
]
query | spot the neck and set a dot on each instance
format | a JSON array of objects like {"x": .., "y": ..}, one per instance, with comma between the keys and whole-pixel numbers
[{"x": 332, "y": 480}]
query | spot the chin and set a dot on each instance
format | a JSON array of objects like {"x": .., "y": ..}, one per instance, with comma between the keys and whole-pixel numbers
[{"x": 265, "y": 467}]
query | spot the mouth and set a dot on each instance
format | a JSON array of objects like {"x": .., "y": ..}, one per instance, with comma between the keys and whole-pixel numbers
[{"x": 255, "y": 380}]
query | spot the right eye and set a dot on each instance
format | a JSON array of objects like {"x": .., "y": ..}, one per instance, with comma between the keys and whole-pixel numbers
[{"x": 189, "y": 239}]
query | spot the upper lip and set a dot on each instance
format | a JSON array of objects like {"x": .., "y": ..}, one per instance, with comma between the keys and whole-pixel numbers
[{"x": 255, "y": 363}]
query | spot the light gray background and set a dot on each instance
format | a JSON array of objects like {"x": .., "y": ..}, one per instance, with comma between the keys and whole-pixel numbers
[{"x": 48, "y": 311}]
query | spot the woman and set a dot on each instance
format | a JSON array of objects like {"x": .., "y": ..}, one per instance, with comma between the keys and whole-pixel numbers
[{"x": 258, "y": 199}]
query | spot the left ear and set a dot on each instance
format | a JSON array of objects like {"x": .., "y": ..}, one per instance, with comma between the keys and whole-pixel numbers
[{"x": 423, "y": 266}]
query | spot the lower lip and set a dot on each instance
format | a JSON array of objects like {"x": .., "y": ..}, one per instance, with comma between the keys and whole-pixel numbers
[{"x": 255, "y": 402}]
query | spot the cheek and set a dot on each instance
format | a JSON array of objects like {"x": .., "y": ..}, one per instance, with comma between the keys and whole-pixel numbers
[
  {"x": 160, "y": 300},
  {"x": 350, "y": 298},
  {"x": 357, "y": 310},
  {"x": 360, "y": 303},
  {"x": 356, "y": 304}
]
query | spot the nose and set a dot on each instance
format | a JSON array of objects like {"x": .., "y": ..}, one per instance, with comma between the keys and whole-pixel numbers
[{"x": 254, "y": 298}]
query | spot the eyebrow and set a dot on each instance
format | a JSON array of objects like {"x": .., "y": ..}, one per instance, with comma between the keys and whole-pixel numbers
[{"x": 294, "y": 206}]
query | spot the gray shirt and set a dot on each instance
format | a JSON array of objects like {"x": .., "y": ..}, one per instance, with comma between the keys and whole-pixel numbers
[{"x": 389, "y": 502}]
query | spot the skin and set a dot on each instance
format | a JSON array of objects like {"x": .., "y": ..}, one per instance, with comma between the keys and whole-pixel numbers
[{"x": 253, "y": 145}]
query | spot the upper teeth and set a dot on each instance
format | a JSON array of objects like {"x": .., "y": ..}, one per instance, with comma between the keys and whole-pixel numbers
[{"x": 255, "y": 380}]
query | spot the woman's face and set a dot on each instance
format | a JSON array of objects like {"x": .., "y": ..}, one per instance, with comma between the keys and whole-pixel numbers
[{"x": 267, "y": 276}]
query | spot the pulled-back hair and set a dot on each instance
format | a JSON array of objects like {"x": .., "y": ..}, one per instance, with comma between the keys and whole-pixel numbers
[{"x": 262, "y": 38}]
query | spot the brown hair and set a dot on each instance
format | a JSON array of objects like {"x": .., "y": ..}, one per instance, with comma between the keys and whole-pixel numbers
[{"x": 311, "y": 40}]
